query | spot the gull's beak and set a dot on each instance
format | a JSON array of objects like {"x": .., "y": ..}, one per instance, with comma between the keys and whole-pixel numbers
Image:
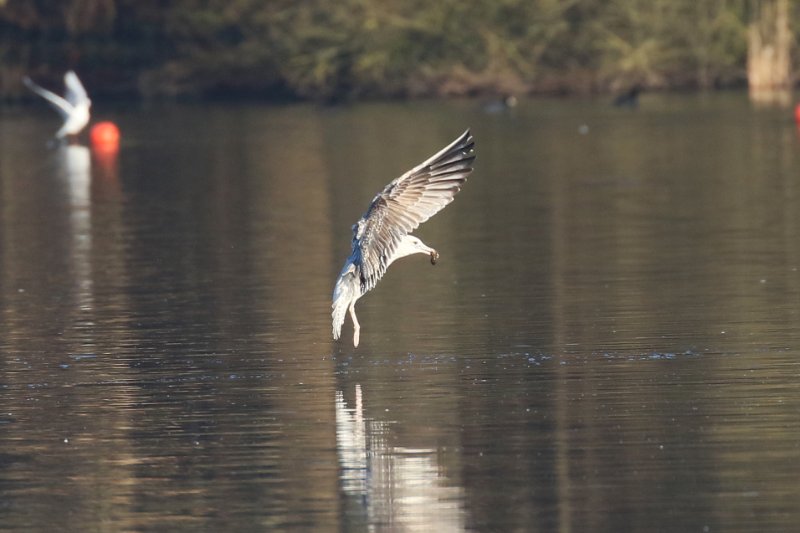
[{"x": 425, "y": 249}]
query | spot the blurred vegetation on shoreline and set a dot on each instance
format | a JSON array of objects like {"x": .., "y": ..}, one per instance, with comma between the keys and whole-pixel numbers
[{"x": 322, "y": 50}]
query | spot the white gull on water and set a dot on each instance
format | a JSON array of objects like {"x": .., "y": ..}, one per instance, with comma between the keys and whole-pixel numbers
[
  {"x": 73, "y": 108},
  {"x": 382, "y": 235}
]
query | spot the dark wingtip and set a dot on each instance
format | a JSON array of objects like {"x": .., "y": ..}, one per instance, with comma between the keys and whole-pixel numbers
[
  {"x": 456, "y": 157},
  {"x": 466, "y": 142}
]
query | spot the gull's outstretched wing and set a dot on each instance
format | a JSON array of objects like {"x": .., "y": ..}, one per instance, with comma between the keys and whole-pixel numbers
[
  {"x": 407, "y": 202},
  {"x": 75, "y": 93},
  {"x": 63, "y": 107}
]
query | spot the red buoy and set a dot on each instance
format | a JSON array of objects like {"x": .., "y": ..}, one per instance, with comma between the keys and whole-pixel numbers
[
  {"x": 797, "y": 114},
  {"x": 105, "y": 135}
]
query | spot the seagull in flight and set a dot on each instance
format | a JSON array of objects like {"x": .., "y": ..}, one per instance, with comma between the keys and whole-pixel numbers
[
  {"x": 383, "y": 234},
  {"x": 73, "y": 108}
]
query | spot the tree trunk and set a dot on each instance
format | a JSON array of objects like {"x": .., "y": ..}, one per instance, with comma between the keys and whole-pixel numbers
[{"x": 768, "y": 43}]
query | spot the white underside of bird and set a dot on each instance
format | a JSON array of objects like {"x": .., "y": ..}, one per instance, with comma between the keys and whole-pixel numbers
[
  {"x": 382, "y": 235},
  {"x": 73, "y": 107}
]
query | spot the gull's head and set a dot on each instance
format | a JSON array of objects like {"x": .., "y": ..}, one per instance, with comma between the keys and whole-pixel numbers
[{"x": 413, "y": 245}]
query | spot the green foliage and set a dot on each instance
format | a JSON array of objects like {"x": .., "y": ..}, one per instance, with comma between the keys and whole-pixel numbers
[{"x": 354, "y": 48}]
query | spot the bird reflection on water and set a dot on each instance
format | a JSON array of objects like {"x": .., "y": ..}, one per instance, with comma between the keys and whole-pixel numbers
[
  {"x": 75, "y": 170},
  {"x": 392, "y": 484}
]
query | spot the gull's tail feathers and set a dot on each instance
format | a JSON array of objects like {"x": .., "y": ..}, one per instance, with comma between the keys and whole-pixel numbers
[{"x": 344, "y": 294}]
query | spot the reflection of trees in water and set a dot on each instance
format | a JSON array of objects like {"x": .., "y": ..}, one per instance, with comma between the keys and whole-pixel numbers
[
  {"x": 241, "y": 278},
  {"x": 391, "y": 486},
  {"x": 200, "y": 381},
  {"x": 641, "y": 255},
  {"x": 173, "y": 304},
  {"x": 59, "y": 254}
]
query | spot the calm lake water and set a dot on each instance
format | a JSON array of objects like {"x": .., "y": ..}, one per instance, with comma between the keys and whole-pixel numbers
[{"x": 610, "y": 341}]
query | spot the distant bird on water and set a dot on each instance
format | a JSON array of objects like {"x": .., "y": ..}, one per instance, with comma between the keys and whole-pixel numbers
[
  {"x": 500, "y": 105},
  {"x": 629, "y": 98},
  {"x": 73, "y": 108},
  {"x": 382, "y": 235}
]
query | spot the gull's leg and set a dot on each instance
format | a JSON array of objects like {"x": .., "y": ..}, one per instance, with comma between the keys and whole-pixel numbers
[{"x": 356, "y": 326}]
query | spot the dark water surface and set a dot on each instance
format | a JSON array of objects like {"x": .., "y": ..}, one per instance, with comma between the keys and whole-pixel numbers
[{"x": 610, "y": 341}]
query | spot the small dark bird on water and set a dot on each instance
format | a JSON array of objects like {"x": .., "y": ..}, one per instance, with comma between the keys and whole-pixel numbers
[
  {"x": 629, "y": 98},
  {"x": 382, "y": 235},
  {"x": 500, "y": 105}
]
